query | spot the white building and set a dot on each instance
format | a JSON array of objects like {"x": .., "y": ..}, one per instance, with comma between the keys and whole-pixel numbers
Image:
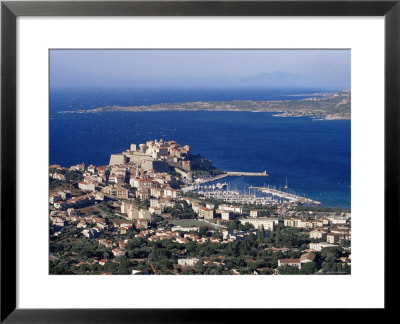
[
  {"x": 268, "y": 222},
  {"x": 316, "y": 234},
  {"x": 155, "y": 210},
  {"x": 254, "y": 213},
  {"x": 145, "y": 214},
  {"x": 86, "y": 186},
  {"x": 185, "y": 229},
  {"x": 188, "y": 261},
  {"x": 226, "y": 215},
  {"x": 133, "y": 212},
  {"x": 319, "y": 246},
  {"x": 289, "y": 262},
  {"x": 118, "y": 252},
  {"x": 233, "y": 209},
  {"x": 91, "y": 168},
  {"x": 154, "y": 202}
]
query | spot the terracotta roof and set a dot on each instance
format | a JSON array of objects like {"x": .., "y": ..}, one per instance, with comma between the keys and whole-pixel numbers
[{"x": 289, "y": 260}]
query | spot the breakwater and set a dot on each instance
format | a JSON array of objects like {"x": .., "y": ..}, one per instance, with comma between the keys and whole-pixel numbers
[
  {"x": 286, "y": 195},
  {"x": 232, "y": 174},
  {"x": 246, "y": 174}
]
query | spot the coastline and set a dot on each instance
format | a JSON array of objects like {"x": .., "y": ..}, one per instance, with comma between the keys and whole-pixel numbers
[{"x": 334, "y": 107}]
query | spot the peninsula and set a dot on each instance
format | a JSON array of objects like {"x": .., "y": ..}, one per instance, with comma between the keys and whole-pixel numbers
[{"x": 324, "y": 105}]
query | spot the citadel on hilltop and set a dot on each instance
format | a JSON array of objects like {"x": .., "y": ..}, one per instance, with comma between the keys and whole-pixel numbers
[
  {"x": 161, "y": 156},
  {"x": 132, "y": 217}
]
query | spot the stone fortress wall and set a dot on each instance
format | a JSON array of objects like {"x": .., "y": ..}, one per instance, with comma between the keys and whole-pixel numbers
[{"x": 156, "y": 155}]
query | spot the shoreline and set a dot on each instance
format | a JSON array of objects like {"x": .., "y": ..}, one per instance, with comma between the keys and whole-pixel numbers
[
  {"x": 332, "y": 107},
  {"x": 278, "y": 113}
]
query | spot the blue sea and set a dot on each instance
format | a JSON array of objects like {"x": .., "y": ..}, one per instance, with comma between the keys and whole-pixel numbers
[{"x": 315, "y": 155}]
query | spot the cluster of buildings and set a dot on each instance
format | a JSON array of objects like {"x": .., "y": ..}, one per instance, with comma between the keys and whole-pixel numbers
[
  {"x": 334, "y": 228},
  {"x": 136, "y": 187},
  {"x": 89, "y": 225}
]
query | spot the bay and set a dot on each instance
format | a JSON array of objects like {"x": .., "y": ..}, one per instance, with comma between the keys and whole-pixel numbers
[{"x": 315, "y": 155}]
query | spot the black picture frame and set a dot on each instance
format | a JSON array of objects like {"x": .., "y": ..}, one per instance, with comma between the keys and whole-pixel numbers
[{"x": 10, "y": 10}]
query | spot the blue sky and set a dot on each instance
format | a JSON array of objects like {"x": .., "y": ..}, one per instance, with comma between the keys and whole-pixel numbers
[{"x": 200, "y": 68}]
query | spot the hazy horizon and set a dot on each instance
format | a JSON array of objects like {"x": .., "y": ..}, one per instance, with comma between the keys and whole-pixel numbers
[{"x": 324, "y": 69}]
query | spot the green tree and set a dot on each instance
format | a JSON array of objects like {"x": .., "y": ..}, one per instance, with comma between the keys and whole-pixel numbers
[
  {"x": 331, "y": 253},
  {"x": 217, "y": 234},
  {"x": 288, "y": 270},
  {"x": 203, "y": 231},
  {"x": 309, "y": 268},
  {"x": 260, "y": 234}
]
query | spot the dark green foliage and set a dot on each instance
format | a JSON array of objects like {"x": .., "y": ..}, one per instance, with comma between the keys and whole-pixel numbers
[
  {"x": 309, "y": 268},
  {"x": 236, "y": 225},
  {"x": 288, "y": 270}
]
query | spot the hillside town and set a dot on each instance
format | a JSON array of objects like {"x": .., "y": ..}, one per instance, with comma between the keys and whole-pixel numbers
[{"x": 134, "y": 217}]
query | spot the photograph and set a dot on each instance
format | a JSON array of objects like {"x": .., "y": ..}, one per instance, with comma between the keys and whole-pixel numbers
[{"x": 199, "y": 161}]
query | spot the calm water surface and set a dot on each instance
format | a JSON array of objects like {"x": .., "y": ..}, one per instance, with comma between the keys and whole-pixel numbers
[{"x": 315, "y": 155}]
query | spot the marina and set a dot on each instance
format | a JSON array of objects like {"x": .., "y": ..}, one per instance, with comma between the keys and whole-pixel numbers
[
  {"x": 222, "y": 192},
  {"x": 265, "y": 195}
]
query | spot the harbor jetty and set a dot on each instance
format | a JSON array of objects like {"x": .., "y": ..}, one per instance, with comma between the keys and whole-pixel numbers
[
  {"x": 232, "y": 174},
  {"x": 246, "y": 174},
  {"x": 286, "y": 195}
]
